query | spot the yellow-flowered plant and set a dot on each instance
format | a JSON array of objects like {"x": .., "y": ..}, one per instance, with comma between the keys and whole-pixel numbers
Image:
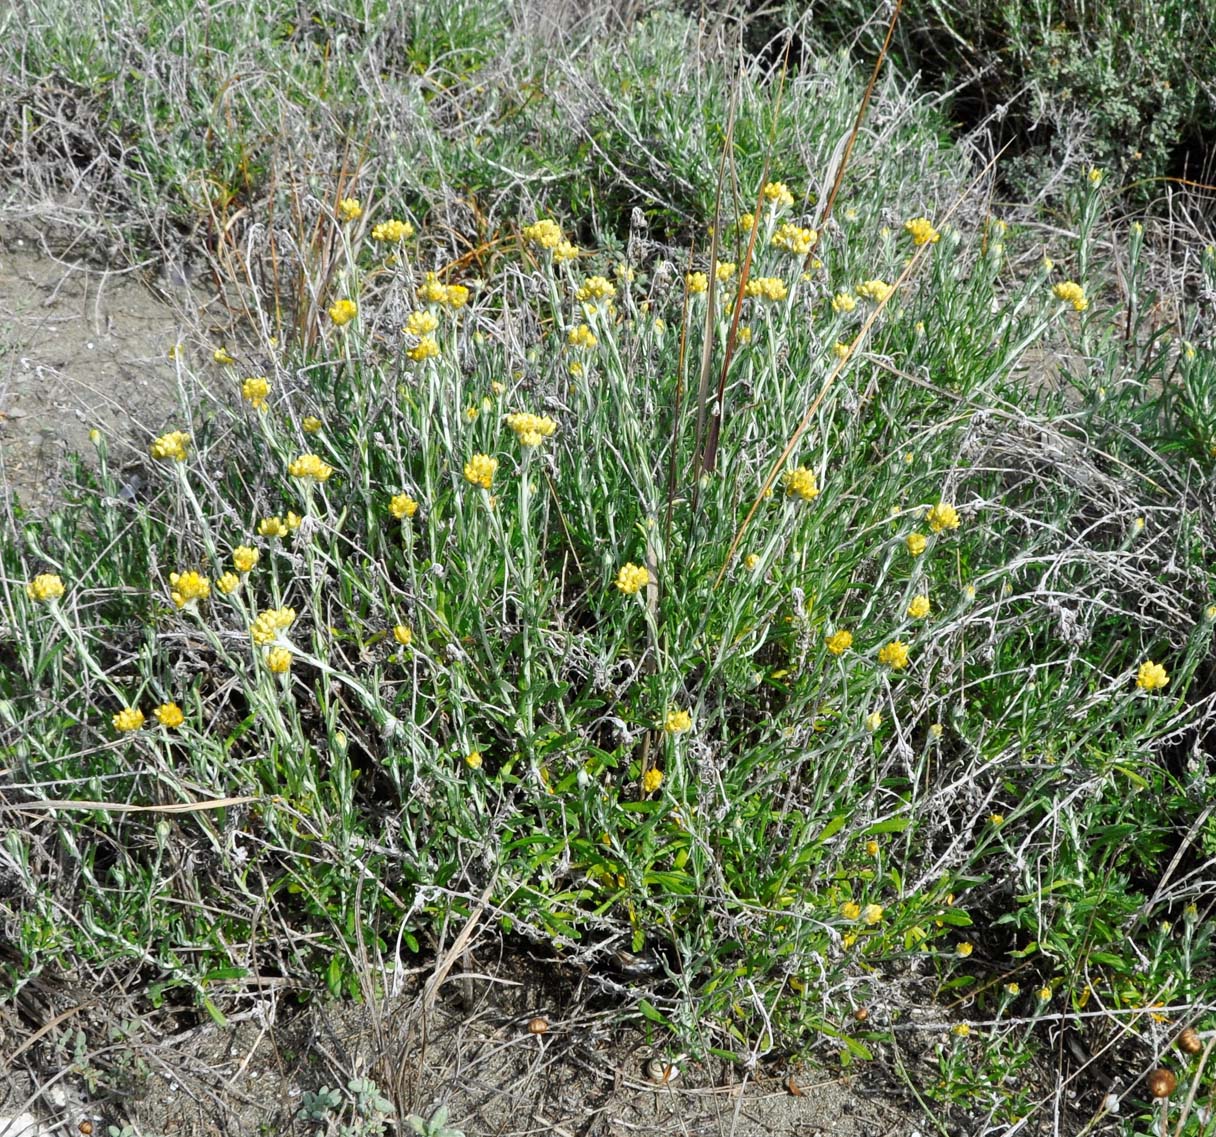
[
  {"x": 839, "y": 641},
  {"x": 850, "y": 910},
  {"x": 631, "y": 578},
  {"x": 392, "y": 231},
  {"x": 1070, "y": 292},
  {"x": 188, "y": 588},
  {"x": 546, "y": 233},
  {"x": 871, "y": 914},
  {"x": 565, "y": 251},
  {"x": 725, "y": 270},
  {"x": 170, "y": 447},
  {"x": 595, "y": 289},
  {"x": 916, "y": 543},
  {"x": 942, "y": 516},
  {"x": 44, "y": 588},
  {"x": 402, "y": 506},
  {"x": 677, "y": 722},
  {"x": 350, "y": 209},
  {"x": 169, "y": 715},
  {"x": 269, "y": 624},
  {"x": 403, "y": 634},
  {"x": 921, "y": 230},
  {"x": 310, "y": 424},
  {"x": 751, "y": 562},
  {"x": 421, "y": 322},
  {"x": 919, "y": 607},
  {"x": 278, "y": 660},
  {"x": 480, "y": 469},
  {"x": 128, "y": 719},
  {"x": 800, "y": 483},
  {"x": 696, "y": 282},
  {"x": 343, "y": 311},
  {"x": 473, "y": 760},
  {"x": 272, "y": 527},
  {"x": 894, "y": 655},
  {"x": 310, "y": 467},
  {"x": 778, "y": 194},
  {"x": 431, "y": 291},
  {"x": 651, "y": 781},
  {"x": 223, "y": 356},
  {"x": 1151, "y": 676},
  {"x": 255, "y": 390},
  {"x": 794, "y": 239},
  {"x": 455, "y": 296},
  {"x": 843, "y": 302},
  {"x": 875, "y": 290},
  {"x": 425, "y": 348},
  {"x": 531, "y": 430},
  {"x": 770, "y": 288},
  {"x": 581, "y": 336},
  {"x": 244, "y": 557},
  {"x": 873, "y": 721},
  {"x": 228, "y": 583}
]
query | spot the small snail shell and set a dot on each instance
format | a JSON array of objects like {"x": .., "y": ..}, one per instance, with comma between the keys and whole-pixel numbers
[
  {"x": 85, "y": 1127},
  {"x": 1189, "y": 1041},
  {"x": 662, "y": 1072},
  {"x": 538, "y": 1025},
  {"x": 1161, "y": 1083},
  {"x": 861, "y": 1014}
]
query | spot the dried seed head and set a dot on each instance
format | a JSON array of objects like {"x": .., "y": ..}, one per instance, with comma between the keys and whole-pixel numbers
[
  {"x": 1189, "y": 1041},
  {"x": 1161, "y": 1083},
  {"x": 538, "y": 1025}
]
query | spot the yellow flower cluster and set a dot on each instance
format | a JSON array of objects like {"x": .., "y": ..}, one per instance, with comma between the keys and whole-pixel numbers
[
  {"x": 876, "y": 290},
  {"x": 894, "y": 655},
  {"x": 310, "y": 424},
  {"x": 631, "y": 578},
  {"x": 170, "y": 447},
  {"x": 919, "y": 608},
  {"x": 455, "y": 296},
  {"x": 402, "y": 506},
  {"x": 450, "y": 295},
  {"x": 531, "y": 430},
  {"x": 169, "y": 715},
  {"x": 480, "y": 469},
  {"x": 426, "y": 348},
  {"x": 778, "y": 194},
  {"x": 255, "y": 390},
  {"x": 343, "y": 311},
  {"x": 421, "y": 322},
  {"x": 546, "y": 233},
  {"x": 1151, "y": 676},
  {"x": 269, "y": 623},
  {"x": 843, "y": 302},
  {"x": 128, "y": 719},
  {"x": 310, "y": 466},
  {"x": 277, "y": 526},
  {"x": 839, "y": 641},
  {"x": 228, "y": 583},
  {"x": 44, "y": 588},
  {"x": 916, "y": 543},
  {"x": 188, "y": 588},
  {"x": 921, "y": 230},
  {"x": 596, "y": 288},
  {"x": 766, "y": 287},
  {"x": 794, "y": 239},
  {"x": 800, "y": 483},
  {"x": 1070, "y": 292},
  {"x": 244, "y": 557},
  {"x": 942, "y": 516},
  {"x": 392, "y": 231},
  {"x": 278, "y": 660},
  {"x": 350, "y": 209},
  {"x": 696, "y": 282},
  {"x": 403, "y": 634},
  {"x": 677, "y": 722},
  {"x": 223, "y": 356},
  {"x": 725, "y": 270},
  {"x": 651, "y": 781},
  {"x": 582, "y": 336},
  {"x": 565, "y": 251}
]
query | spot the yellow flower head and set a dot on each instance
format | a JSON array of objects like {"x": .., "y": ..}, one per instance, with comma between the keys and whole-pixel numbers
[
  {"x": 873, "y": 721},
  {"x": 228, "y": 583},
  {"x": 421, "y": 322},
  {"x": 403, "y": 634},
  {"x": 473, "y": 760},
  {"x": 871, "y": 914},
  {"x": 255, "y": 391},
  {"x": 402, "y": 506},
  {"x": 778, "y": 194},
  {"x": 310, "y": 424},
  {"x": 632, "y": 578},
  {"x": 349, "y": 209},
  {"x": 343, "y": 311},
  {"x": 170, "y": 447},
  {"x": 919, "y": 608},
  {"x": 916, "y": 543},
  {"x": 724, "y": 271},
  {"x": 800, "y": 483},
  {"x": 565, "y": 251},
  {"x": 771, "y": 288},
  {"x": 244, "y": 557},
  {"x": 432, "y": 292},
  {"x": 455, "y": 296},
  {"x": 794, "y": 239},
  {"x": 1151, "y": 676},
  {"x": 921, "y": 230},
  {"x": 651, "y": 780},
  {"x": 839, "y": 641},
  {"x": 169, "y": 715},
  {"x": 1070, "y": 292},
  {"x": 223, "y": 356},
  {"x": 964, "y": 949},
  {"x": 843, "y": 302},
  {"x": 677, "y": 722},
  {"x": 875, "y": 290},
  {"x": 188, "y": 588},
  {"x": 581, "y": 336},
  {"x": 894, "y": 655},
  {"x": 596, "y": 288},
  {"x": 696, "y": 283},
  {"x": 850, "y": 910},
  {"x": 309, "y": 466},
  {"x": 531, "y": 430},
  {"x": 751, "y": 562},
  {"x": 269, "y": 624},
  {"x": 746, "y": 222},
  {"x": 392, "y": 231},
  {"x": 425, "y": 348},
  {"x": 942, "y": 516},
  {"x": 278, "y": 660},
  {"x": 272, "y": 527},
  {"x": 961, "y": 1030},
  {"x": 480, "y": 469},
  {"x": 871, "y": 848},
  {"x": 546, "y": 233},
  {"x": 292, "y": 521},
  {"x": 128, "y": 719},
  {"x": 44, "y": 588}
]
